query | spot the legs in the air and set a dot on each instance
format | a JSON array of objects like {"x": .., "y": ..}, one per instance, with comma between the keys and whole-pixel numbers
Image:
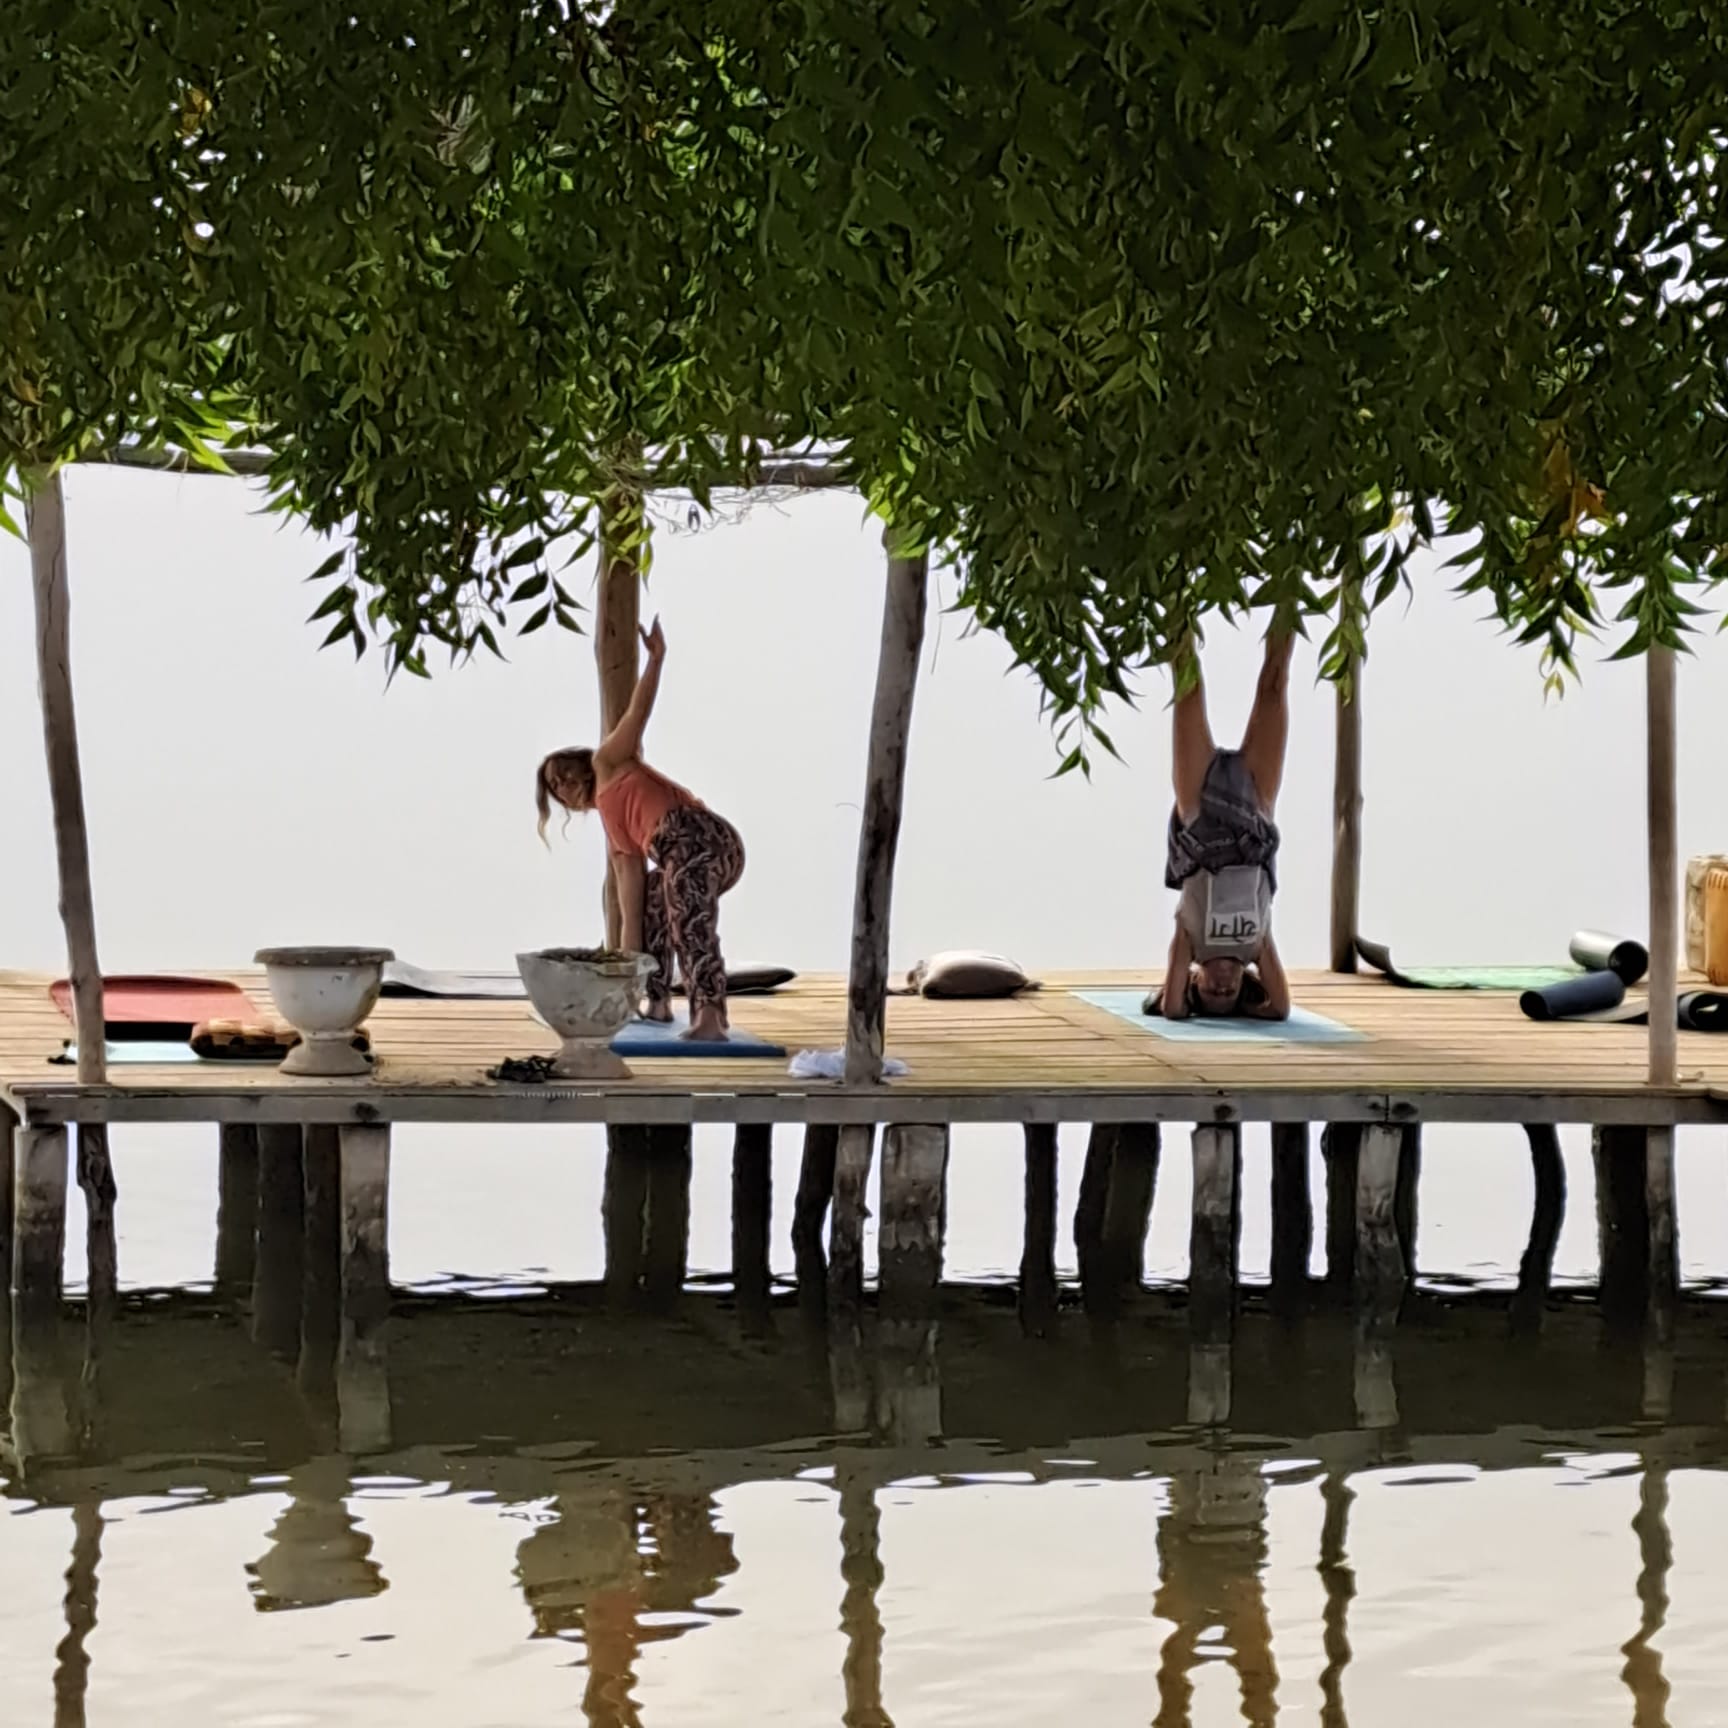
[
  {"x": 1194, "y": 748},
  {"x": 1269, "y": 721}
]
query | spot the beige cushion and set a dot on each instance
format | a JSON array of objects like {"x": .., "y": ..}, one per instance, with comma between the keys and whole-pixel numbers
[{"x": 957, "y": 972}]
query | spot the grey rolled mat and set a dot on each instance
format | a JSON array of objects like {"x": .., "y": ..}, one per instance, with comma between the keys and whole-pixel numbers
[{"x": 1598, "y": 951}]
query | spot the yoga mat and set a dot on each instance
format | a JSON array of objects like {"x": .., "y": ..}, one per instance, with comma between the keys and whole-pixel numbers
[
  {"x": 139, "y": 1053},
  {"x": 149, "y": 1009},
  {"x": 1696, "y": 1011},
  {"x": 1598, "y": 951},
  {"x": 1301, "y": 1028},
  {"x": 1585, "y": 993},
  {"x": 648, "y": 1038},
  {"x": 403, "y": 980},
  {"x": 1461, "y": 977}
]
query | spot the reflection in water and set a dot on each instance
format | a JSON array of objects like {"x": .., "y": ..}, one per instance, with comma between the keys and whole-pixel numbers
[
  {"x": 618, "y": 1437},
  {"x": 318, "y": 1554}
]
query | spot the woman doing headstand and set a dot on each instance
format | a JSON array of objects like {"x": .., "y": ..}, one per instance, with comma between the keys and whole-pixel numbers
[
  {"x": 1223, "y": 853},
  {"x": 672, "y": 910}
]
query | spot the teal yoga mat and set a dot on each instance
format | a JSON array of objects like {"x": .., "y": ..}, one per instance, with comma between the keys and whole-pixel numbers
[
  {"x": 1301, "y": 1028},
  {"x": 648, "y": 1038}
]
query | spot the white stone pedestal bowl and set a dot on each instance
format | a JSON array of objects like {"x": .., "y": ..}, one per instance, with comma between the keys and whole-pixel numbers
[
  {"x": 587, "y": 996},
  {"x": 325, "y": 994}
]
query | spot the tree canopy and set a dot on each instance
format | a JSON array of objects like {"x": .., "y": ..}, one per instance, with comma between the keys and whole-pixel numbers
[{"x": 1140, "y": 312}]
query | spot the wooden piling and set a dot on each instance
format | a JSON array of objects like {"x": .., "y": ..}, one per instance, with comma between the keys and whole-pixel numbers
[
  {"x": 914, "y": 1174},
  {"x": 102, "y": 1258},
  {"x": 752, "y": 1214},
  {"x": 884, "y": 794},
  {"x": 1128, "y": 1213},
  {"x": 860, "y": 1617},
  {"x": 1089, "y": 1209},
  {"x": 72, "y": 1658},
  {"x": 810, "y": 1213},
  {"x": 1292, "y": 1217},
  {"x": 321, "y": 1285},
  {"x": 236, "y": 1208},
  {"x": 276, "y": 1290},
  {"x": 1380, "y": 1275},
  {"x": 853, "y": 1158},
  {"x": 362, "y": 1370},
  {"x": 1536, "y": 1268},
  {"x": 1404, "y": 1209},
  {"x": 1663, "y": 1257},
  {"x": 1338, "y": 1580},
  {"x": 1347, "y": 818},
  {"x": 41, "y": 1416},
  {"x": 624, "y": 1209},
  {"x": 666, "y": 1243},
  {"x": 1038, "y": 1255},
  {"x": 1212, "y": 1259},
  {"x": 1341, "y": 1148},
  {"x": 1619, "y": 1155}
]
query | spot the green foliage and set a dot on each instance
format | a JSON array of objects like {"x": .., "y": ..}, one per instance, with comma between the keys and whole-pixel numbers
[{"x": 1143, "y": 313}]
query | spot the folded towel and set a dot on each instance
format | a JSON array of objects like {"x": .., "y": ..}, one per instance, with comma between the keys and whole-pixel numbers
[{"x": 831, "y": 1065}]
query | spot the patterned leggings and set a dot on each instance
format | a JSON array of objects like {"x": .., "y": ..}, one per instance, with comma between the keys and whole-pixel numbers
[{"x": 699, "y": 856}]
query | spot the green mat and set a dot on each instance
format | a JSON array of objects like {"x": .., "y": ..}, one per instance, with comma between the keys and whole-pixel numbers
[{"x": 1463, "y": 977}]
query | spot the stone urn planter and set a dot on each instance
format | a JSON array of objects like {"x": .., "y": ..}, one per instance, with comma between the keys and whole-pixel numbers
[
  {"x": 587, "y": 996},
  {"x": 325, "y": 994}
]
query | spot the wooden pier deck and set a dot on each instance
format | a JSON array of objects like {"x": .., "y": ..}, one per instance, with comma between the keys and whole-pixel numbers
[{"x": 1046, "y": 1056}]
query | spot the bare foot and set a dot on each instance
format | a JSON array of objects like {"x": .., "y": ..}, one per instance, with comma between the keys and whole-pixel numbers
[
  {"x": 660, "y": 1012},
  {"x": 707, "y": 1028}
]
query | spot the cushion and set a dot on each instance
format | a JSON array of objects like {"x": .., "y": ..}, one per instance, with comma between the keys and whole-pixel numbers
[{"x": 962, "y": 972}]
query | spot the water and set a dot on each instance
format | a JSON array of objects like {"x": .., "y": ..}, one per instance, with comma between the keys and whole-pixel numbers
[
  {"x": 651, "y": 1523},
  {"x": 617, "y": 1521}
]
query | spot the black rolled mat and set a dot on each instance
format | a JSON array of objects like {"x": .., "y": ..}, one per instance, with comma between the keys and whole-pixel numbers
[
  {"x": 1695, "y": 1010},
  {"x": 1588, "y": 993}
]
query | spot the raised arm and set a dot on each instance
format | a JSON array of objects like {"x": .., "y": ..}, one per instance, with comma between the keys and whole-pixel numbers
[
  {"x": 1277, "y": 1003},
  {"x": 624, "y": 742}
]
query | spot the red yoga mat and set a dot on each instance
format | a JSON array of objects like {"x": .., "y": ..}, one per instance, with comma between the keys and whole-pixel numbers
[{"x": 160, "y": 1008}]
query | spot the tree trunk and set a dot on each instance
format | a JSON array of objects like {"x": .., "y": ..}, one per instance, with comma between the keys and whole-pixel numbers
[
  {"x": 1347, "y": 823},
  {"x": 617, "y": 617},
  {"x": 45, "y": 517},
  {"x": 1664, "y": 866},
  {"x": 884, "y": 792},
  {"x": 1038, "y": 1256}
]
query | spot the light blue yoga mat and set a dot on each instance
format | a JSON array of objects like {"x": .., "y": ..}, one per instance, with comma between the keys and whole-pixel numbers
[
  {"x": 1301, "y": 1028},
  {"x": 146, "y": 1053},
  {"x": 646, "y": 1038}
]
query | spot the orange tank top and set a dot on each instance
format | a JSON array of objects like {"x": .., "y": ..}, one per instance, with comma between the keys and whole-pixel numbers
[{"x": 633, "y": 804}]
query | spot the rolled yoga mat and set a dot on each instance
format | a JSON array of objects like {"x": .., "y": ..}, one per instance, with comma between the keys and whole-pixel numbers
[
  {"x": 405, "y": 981},
  {"x": 1597, "y": 951},
  {"x": 1591, "y": 950},
  {"x": 1587, "y": 993}
]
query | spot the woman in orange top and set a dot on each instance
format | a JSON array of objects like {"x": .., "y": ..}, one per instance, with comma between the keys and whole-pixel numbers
[{"x": 671, "y": 911}]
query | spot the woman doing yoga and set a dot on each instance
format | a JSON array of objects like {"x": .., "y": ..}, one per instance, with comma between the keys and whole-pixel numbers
[
  {"x": 672, "y": 910},
  {"x": 1223, "y": 852}
]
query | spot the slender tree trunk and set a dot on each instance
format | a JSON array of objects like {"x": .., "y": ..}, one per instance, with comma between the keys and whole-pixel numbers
[
  {"x": 884, "y": 792},
  {"x": 1664, "y": 867},
  {"x": 617, "y": 616},
  {"x": 1347, "y": 822}
]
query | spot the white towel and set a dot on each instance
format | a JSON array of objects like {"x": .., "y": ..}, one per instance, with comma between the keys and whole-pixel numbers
[{"x": 831, "y": 1065}]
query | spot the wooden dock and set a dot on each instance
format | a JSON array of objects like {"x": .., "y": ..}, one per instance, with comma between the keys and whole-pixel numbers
[{"x": 1044, "y": 1057}]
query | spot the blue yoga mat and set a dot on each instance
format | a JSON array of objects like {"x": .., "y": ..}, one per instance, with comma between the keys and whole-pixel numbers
[
  {"x": 1301, "y": 1028},
  {"x": 645, "y": 1038}
]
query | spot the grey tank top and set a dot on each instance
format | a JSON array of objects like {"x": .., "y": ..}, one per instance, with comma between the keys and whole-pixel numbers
[{"x": 1227, "y": 912}]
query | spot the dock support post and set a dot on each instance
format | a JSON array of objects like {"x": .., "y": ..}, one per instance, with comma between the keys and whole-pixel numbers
[
  {"x": 41, "y": 1418},
  {"x": 236, "y": 1208},
  {"x": 1404, "y": 1210},
  {"x": 1536, "y": 1269},
  {"x": 752, "y": 1212},
  {"x": 1380, "y": 1273},
  {"x": 362, "y": 1369},
  {"x": 624, "y": 1209},
  {"x": 860, "y": 1617},
  {"x": 1127, "y": 1213},
  {"x": 321, "y": 1304},
  {"x": 1292, "y": 1218},
  {"x": 1341, "y": 1148},
  {"x": 1664, "y": 1250},
  {"x": 102, "y": 1259},
  {"x": 276, "y": 1290},
  {"x": 1089, "y": 1209},
  {"x": 914, "y": 1176},
  {"x": 1620, "y": 1157},
  {"x": 1212, "y": 1257},
  {"x": 666, "y": 1250},
  {"x": 855, "y": 1154},
  {"x": 810, "y": 1213},
  {"x": 1038, "y": 1256}
]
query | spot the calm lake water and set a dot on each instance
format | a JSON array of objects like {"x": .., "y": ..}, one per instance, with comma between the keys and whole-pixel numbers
[{"x": 591, "y": 1521}]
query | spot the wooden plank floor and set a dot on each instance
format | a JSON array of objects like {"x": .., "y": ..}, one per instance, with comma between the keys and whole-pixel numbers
[{"x": 1046, "y": 1056}]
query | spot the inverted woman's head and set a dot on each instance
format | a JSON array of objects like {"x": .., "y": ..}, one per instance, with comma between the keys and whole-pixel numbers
[
  {"x": 1218, "y": 985},
  {"x": 566, "y": 778}
]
